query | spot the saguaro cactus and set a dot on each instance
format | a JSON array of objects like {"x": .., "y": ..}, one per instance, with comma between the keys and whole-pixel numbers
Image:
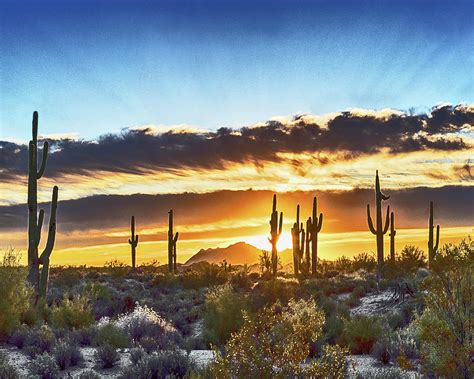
[
  {"x": 133, "y": 241},
  {"x": 314, "y": 227},
  {"x": 307, "y": 264},
  {"x": 35, "y": 220},
  {"x": 275, "y": 232},
  {"x": 172, "y": 240},
  {"x": 393, "y": 232},
  {"x": 432, "y": 246},
  {"x": 298, "y": 237},
  {"x": 379, "y": 231}
]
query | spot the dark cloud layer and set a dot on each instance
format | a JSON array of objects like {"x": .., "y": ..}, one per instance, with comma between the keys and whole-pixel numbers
[
  {"x": 139, "y": 151},
  {"x": 454, "y": 207}
]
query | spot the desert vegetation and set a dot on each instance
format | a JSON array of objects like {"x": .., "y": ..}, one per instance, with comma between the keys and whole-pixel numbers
[{"x": 403, "y": 315}]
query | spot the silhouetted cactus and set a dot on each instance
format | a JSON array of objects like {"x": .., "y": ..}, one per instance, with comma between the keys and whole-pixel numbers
[
  {"x": 393, "y": 232},
  {"x": 172, "y": 240},
  {"x": 432, "y": 247},
  {"x": 35, "y": 220},
  {"x": 133, "y": 241},
  {"x": 379, "y": 231},
  {"x": 298, "y": 237},
  {"x": 314, "y": 227},
  {"x": 275, "y": 232}
]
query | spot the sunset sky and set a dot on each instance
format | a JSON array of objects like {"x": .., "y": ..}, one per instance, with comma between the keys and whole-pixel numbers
[{"x": 210, "y": 107}]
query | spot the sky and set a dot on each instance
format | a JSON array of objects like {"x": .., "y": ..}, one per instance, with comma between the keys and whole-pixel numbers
[{"x": 210, "y": 107}]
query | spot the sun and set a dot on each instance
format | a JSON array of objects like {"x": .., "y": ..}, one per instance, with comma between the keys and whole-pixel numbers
[{"x": 261, "y": 241}]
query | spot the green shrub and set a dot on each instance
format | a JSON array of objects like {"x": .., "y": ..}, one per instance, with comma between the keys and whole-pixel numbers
[
  {"x": 361, "y": 332},
  {"x": 109, "y": 334},
  {"x": 7, "y": 370},
  {"x": 67, "y": 354},
  {"x": 73, "y": 314},
  {"x": 410, "y": 259},
  {"x": 44, "y": 366},
  {"x": 40, "y": 340},
  {"x": 14, "y": 293},
  {"x": 106, "y": 356},
  {"x": 223, "y": 314}
]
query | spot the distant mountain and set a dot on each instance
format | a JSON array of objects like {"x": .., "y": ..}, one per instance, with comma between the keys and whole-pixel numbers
[{"x": 237, "y": 254}]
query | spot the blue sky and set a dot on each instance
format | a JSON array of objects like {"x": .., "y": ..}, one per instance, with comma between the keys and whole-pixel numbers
[{"x": 96, "y": 67}]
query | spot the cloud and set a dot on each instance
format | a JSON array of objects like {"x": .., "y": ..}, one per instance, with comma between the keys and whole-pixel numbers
[{"x": 349, "y": 134}]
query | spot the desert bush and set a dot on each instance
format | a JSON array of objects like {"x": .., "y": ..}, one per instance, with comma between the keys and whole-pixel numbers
[
  {"x": 67, "y": 354},
  {"x": 116, "y": 269},
  {"x": 14, "y": 293},
  {"x": 241, "y": 279},
  {"x": 268, "y": 292},
  {"x": 410, "y": 259},
  {"x": 7, "y": 370},
  {"x": 84, "y": 336},
  {"x": 19, "y": 337},
  {"x": 66, "y": 276},
  {"x": 363, "y": 261},
  {"x": 44, "y": 366},
  {"x": 275, "y": 343},
  {"x": 110, "y": 334},
  {"x": 361, "y": 332},
  {"x": 89, "y": 374},
  {"x": 137, "y": 354},
  {"x": 165, "y": 364},
  {"x": 40, "y": 340},
  {"x": 384, "y": 349},
  {"x": 223, "y": 314},
  {"x": 446, "y": 327},
  {"x": 106, "y": 356},
  {"x": 203, "y": 274},
  {"x": 72, "y": 313}
]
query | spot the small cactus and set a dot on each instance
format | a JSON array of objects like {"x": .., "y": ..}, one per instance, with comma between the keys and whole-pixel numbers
[
  {"x": 275, "y": 232},
  {"x": 432, "y": 246},
  {"x": 379, "y": 231},
  {"x": 298, "y": 238},
  {"x": 133, "y": 241},
  {"x": 393, "y": 232},
  {"x": 314, "y": 227},
  {"x": 172, "y": 240}
]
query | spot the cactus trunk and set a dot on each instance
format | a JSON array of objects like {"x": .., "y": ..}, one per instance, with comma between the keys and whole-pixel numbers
[
  {"x": 393, "y": 232},
  {"x": 133, "y": 241},
  {"x": 172, "y": 240},
  {"x": 432, "y": 245},
  {"x": 380, "y": 230},
  {"x": 275, "y": 232},
  {"x": 37, "y": 279}
]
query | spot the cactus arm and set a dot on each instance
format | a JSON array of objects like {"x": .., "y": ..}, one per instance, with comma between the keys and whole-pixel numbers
[
  {"x": 176, "y": 236},
  {"x": 435, "y": 249},
  {"x": 320, "y": 223},
  {"x": 280, "y": 226},
  {"x": 52, "y": 227},
  {"x": 387, "y": 221},
  {"x": 384, "y": 197},
  {"x": 136, "y": 239},
  {"x": 43, "y": 160},
  {"x": 369, "y": 219},
  {"x": 40, "y": 226}
]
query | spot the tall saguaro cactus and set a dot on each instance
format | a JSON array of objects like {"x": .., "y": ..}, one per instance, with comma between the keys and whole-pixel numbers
[
  {"x": 379, "y": 230},
  {"x": 172, "y": 240},
  {"x": 393, "y": 232},
  {"x": 275, "y": 232},
  {"x": 35, "y": 219},
  {"x": 298, "y": 238},
  {"x": 432, "y": 246},
  {"x": 133, "y": 241},
  {"x": 314, "y": 227}
]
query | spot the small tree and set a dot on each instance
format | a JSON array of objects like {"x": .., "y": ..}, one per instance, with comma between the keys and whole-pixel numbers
[{"x": 265, "y": 262}]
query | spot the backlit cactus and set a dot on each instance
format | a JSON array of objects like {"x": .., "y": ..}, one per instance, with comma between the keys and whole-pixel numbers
[
  {"x": 275, "y": 232},
  {"x": 393, "y": 232},
  {"x": 379, "y": 230},
  {"x": 432, "y": 246},
  {"x": 37, "y": 279},
  {"x": 172, "y": 240},
  {"x": 314, "y": 226},
  {"x": 133, "y": 241},
  {"x": 298, "y": 237}
]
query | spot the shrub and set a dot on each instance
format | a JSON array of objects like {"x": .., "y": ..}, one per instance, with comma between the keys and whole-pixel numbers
[
  {"x": 137, "y": 354},
  {"x": 67, "y": 354},
  {"x": 363, "y": 261},
  {"x": 106, "y": 356},
  {"x": 109, "y": 334},
  {"x": 7, "y": 370},
  {"x": 14, "y": 293},
  {"x": 446, "y": 327},
  {"x": 361, "y": 332},
  {"x": 44, "y": 366},
  {"x": 89, "y": 374},
  {"x": 117, "y": 269},
  {"x": 19, "y": 337},
  {"x": 41, "y": 340},
  {"x": 223, "y": 314},
  {"x": 74, "y": 314},
  {"x": 275, "y": 343},
  {"x": 410, "y": 259},
  {"x": 383, "y": 350},
  {"x": 165, "y": 364}
]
